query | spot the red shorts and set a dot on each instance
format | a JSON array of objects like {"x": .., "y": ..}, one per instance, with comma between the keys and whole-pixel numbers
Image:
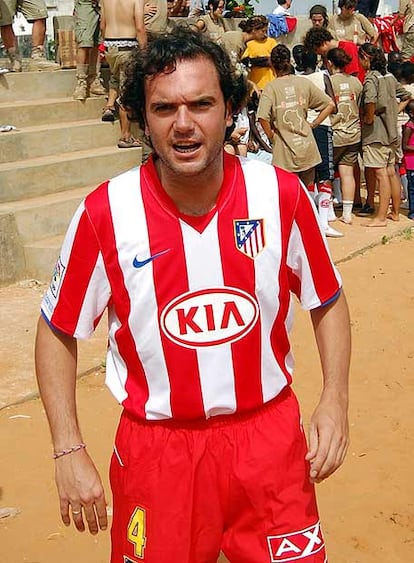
[{"x": 239, "y": 483}]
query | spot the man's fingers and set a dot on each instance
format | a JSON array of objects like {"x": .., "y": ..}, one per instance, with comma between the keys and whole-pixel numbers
[
  {"x": 64, "y": 512},
  {"x": 101, "y": 513},
  {"x": 91, "y": 518},
  {"x": 313, "y": 443},
  {"x": 77, "y": 518}
]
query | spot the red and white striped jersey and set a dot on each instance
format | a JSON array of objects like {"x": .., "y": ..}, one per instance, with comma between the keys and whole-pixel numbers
[{"x": 199, "y": 308}]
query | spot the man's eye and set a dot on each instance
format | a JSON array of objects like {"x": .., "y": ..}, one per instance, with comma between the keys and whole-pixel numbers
[
  {"x": 203, "y": 104},
  {"x": 164, "y": 108}
]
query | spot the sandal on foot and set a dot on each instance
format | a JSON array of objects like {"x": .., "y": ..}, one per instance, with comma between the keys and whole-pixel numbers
[
  {"x": 108, "y": 114},
  {"x": 128, "y": 143}
]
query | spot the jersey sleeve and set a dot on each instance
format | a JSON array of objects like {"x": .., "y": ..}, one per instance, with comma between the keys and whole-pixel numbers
[
  {"x": 79, "y": 291},
  {"x": 313, "y": 277}
]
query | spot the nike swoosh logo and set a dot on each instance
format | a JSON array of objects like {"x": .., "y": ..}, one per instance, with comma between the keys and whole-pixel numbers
[{"x": 140, "y": 263}]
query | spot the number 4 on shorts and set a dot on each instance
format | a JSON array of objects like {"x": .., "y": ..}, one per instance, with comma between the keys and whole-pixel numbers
[{"x": 136, "y": 531}]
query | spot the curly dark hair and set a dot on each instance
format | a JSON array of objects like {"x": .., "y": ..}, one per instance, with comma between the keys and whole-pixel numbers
[
  {"x": 376, "y": 57},
  {"x": 161, "y": 56},
  {"x": 316, "y": 37},
  {"x": 280, "y": 58}
]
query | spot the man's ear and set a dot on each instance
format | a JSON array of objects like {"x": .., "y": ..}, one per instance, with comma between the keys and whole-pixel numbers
[
  {"x": 229, "y": 115},
  {"x": 146, "y": 128}
]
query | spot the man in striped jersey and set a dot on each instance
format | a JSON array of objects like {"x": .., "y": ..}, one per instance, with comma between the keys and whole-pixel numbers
[{"x": 196, "y": 255}]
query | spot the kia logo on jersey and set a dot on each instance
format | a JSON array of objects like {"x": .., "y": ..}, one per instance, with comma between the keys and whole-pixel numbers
[
  {"x": 209, "y": 317},
  {"x": 296, "y": 545}
]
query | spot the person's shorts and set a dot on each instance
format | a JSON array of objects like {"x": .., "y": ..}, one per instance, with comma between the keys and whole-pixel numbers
[
  {"x": 324, "y": 170},
  {"x": 116, "y": 56},
  {"x": 31, "y": 9},
  {"x": 239, "y": 483},
  {"x": 87, "y": 30},
  {"x": 407, "y": 47},
  {"x": 377, "y": 155},
  {"x": 347, "y": 154}
]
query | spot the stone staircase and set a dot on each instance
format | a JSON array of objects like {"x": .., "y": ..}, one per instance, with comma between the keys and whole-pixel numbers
[{"x": 60, "y": 151}]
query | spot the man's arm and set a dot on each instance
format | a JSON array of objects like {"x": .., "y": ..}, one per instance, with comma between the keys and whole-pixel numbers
[
  {"x": 328, "y": 432},
  {"x": 139, "y": 23},
  {"x": 78, "y": 482}
]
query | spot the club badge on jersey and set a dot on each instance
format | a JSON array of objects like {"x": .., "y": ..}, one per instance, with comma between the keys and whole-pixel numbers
[{"x": 249, "y": 236}]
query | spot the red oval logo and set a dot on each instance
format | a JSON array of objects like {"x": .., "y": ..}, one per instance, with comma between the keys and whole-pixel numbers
[{"x": 209, "y": 317}]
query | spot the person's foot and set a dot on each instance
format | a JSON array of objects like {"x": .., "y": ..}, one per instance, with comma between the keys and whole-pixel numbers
[
  {"x": 128, "y": 143},
  {"x": 346, "y": 220},
  {"x": 4, "y": 70},
  {"x": 109, "y": 114},
  {"x": 40, "y": 62},
  {"x": 333, "y": 233},
  {"x": 393, "y": 216},
  {"x": 375, "y": 223},
  {"x": 96, "y": 87},
  {"x": 366, "y": 211}
]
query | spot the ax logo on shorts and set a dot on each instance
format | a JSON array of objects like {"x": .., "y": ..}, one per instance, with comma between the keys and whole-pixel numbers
[{"x": 296, "y": 545}]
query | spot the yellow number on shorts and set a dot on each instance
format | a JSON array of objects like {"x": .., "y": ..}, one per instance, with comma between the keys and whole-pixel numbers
[{"x": 136, "y": 531}]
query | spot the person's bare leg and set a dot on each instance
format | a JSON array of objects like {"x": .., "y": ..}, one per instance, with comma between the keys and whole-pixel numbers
[
  {"x": 346, "y": 174},
  {"x": 112, "y": 96},
  {"x": 384, "y": 186},
  {"x": 12, "y": 48},
  {"x": 371, "y": 182},
  {"x": 124, "y": 124},
  {"x": 395, "y": 193},
  {"x": 357, "y": 184},
  {"x": 8, "y": 36},
  {"x": 38, "y": 33}
]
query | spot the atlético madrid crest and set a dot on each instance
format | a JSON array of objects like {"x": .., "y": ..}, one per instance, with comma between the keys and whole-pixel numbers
[{"x": 249, "y": 235}]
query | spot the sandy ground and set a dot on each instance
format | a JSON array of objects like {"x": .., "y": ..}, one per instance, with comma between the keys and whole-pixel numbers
[{"x": 367, "y": 507}]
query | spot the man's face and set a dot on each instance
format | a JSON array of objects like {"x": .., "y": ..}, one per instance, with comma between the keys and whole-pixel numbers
[{"x": 186, "y": 118}]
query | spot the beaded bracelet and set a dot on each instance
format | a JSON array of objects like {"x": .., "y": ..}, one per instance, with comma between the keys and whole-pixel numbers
[{"x": 67, "y": 451}]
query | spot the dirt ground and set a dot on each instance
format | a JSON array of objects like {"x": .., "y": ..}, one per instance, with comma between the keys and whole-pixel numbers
[{"x": 367, "y": 507}]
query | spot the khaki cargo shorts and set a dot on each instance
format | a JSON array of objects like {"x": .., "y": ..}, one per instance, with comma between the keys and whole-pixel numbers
[
  {"x": 87, "y": 29},
  {"x": 377, "y": 155},
  {"x": 31, "y": 9},
  {"x": 347, "y": 154},
  {"x": 117, "y": 58}
]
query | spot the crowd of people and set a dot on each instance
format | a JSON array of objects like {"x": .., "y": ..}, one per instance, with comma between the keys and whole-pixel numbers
[{"x": 316, "y": 108}]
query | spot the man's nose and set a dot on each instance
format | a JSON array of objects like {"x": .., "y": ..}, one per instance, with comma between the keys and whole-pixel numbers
[{"x": 183, "y": 120}]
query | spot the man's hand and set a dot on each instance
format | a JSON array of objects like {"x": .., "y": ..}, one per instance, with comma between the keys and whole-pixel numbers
[
  {"x": 328, "y": 438},
  {"x": 80, "y": 490}
]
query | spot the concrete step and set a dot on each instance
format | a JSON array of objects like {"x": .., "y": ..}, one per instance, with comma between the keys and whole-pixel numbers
[
  {"x": 47, "y": 111},
  {"x": 36, "y": 85},
  {"x": 40, "y": 257},
  {"x": 45, "y": 216},
  {"x": 44, "y": 140},
  {"x": 57, "y": 173}
]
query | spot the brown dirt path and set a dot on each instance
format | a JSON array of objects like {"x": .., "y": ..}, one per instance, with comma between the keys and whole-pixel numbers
[{"x": 367, "y": 508}]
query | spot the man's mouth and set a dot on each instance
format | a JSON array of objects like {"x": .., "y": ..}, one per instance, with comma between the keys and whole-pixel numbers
[{"x": 186, "y": 147}]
